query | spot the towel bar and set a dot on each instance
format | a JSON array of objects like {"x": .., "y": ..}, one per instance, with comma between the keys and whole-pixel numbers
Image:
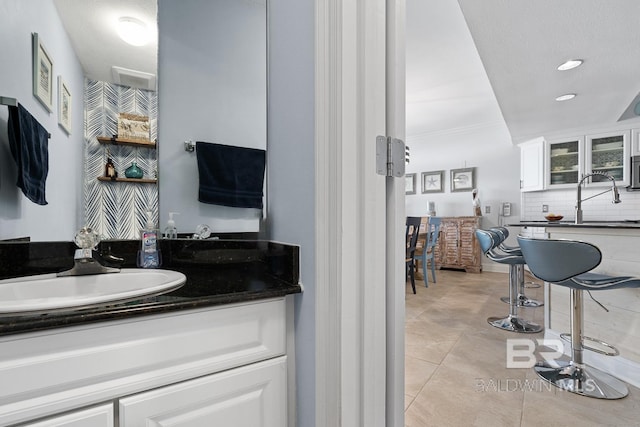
[
  {"x": 189, "y": 146},
  {"x": 5, "y": 100},
  {"x": 10, "y": 102}
]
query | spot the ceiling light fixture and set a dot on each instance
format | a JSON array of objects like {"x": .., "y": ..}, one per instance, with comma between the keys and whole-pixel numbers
[
  {"x": 570, "y": 64},
  {"x": 133, "y": 31},
  {"x": 566, "y": 97}
]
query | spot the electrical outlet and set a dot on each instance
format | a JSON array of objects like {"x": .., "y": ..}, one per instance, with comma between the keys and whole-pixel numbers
[
  {"x": 545, "y": 208},
  {"x": 487, "y": 209}
]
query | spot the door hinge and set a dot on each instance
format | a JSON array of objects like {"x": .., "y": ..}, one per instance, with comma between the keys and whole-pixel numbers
[{"x": 391, "y": 155}]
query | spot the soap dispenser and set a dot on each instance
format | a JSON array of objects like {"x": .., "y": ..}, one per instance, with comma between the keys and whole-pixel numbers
[
  {"x": 149, "y": 254},
  {"x": 170, "y": 231}
]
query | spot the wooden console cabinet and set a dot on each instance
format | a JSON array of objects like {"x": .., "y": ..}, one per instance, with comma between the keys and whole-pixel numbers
[{"x": 457, "y": 246}]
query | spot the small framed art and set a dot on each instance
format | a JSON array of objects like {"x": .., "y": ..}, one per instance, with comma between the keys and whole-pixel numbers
[
  {"x": 64, "y": 105},
  {"x": 42, "y": 73},
  {"x": 463, "y": 179},
  {"x": 432, "y": 182},
  {"x": 410, "y": 183}
]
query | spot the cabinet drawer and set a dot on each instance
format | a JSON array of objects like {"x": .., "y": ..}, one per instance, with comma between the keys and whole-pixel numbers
[
  {"x": 99, "y": 416},
  {"x": 250, "y": 396}
]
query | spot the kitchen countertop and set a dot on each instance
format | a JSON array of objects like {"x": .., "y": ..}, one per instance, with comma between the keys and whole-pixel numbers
[
  {"x": 586, "y": 224},
  {"x": 218, "y": 272}
]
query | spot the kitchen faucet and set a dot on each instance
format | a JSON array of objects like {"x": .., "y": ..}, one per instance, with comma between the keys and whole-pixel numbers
[
  {"x": 614, "y": 191},
  {"x": 83, "y": 260}
]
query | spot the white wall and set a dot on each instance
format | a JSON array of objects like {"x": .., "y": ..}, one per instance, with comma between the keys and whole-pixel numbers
[
  {"x": 18, "y": 215},
  {"x": 291, "y": 172},
  {"x": 212, "y": 88},
  {"x": 497, "y": 170}
]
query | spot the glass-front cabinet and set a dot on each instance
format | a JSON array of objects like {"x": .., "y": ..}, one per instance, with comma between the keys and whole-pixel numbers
[
  {"x": 565, "y": 162},
  {"x": 608, "y": 153}
]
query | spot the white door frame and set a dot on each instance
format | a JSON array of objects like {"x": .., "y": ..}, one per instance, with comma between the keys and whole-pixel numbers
[
  {"x": 396, "y": 276},
  {"x": 360, "y": 351}
]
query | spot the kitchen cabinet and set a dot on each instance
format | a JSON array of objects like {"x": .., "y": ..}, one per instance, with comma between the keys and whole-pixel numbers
[
  {"x": 562, "y": 162},
  {"x": 250, "y": 396},
  {"x": 98, "y": 416},
  {"x": 457, "y": 245},
  {"x": 564, "y": 165},
  {"x": 635, "y": 142},
  {"x": 608, "y": 153},
  {"x": 532, "y": 165},
  {"x": 209, "y": 363}
]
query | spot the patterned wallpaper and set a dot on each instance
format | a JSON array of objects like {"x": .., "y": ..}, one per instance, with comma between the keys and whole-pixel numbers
[{"x": 117, "y": 209}]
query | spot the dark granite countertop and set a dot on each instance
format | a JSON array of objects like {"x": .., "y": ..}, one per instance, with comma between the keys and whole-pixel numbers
[
  {"x": 218, "y": 272},
  {"x": 585, "y": 224}
]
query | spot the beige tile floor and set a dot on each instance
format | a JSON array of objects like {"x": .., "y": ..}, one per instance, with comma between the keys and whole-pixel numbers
[{"x": 456, "y": 371}]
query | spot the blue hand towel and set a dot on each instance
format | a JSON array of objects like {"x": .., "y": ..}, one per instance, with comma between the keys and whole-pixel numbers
[
  {"x": 29, "y": 142},
  {"x": 230, "y": 176}
]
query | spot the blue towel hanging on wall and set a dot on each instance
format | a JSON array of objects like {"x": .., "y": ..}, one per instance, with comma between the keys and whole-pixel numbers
[
  {"x": 230, "y": 176},
  {"x": 29, "y": 141}
]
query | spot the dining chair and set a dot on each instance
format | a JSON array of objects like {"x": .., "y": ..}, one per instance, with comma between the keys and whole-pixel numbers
[
  {"x": 429, "y": 249},
  {"x": 411, "y": 239}
]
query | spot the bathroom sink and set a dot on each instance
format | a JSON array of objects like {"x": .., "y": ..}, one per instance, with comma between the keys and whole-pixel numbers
[{"x": 47, "y": 292}]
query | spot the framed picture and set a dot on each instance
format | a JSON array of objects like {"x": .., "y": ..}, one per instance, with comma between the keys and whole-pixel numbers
[
  {"x": 132, "y": 126},
  {"x": 42, "y": 73},
  {"x": 463, "y": 179},
  {"x": 432, "y": 182},
  {"x": 410, "y": 183},
  {"x": 64, "y": 105}
]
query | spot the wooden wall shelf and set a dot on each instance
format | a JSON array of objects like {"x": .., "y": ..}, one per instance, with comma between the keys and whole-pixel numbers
[
  {"x": 122, "y": 141},
  {"x": 136, "y": 180}
]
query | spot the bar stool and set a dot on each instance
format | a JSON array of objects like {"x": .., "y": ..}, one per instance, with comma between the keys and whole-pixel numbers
[
  {"x": 489, "y": 241},
  {"x": 522, "y": 299},
  {"x": 567, "y": 263}
]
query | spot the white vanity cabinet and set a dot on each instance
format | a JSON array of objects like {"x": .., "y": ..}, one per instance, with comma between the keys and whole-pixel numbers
[
  {"x": 181, "y": 368},
  {"x": 98, "y": 416},
  {"x": 250, "y": 396}
]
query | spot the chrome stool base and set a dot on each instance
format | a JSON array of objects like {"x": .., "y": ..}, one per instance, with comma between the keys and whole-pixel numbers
[
  {"x": 585, "y": 380},
  {"x": 524, "y": 301},
  {"x": 514, "y": 324}
]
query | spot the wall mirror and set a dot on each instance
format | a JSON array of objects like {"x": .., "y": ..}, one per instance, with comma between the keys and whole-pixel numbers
[{"x": 213, "y": 77}]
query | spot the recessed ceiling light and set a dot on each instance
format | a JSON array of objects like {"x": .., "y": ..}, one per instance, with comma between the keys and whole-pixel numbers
[
  {"x": 133, "y": 31},
  {"x": 570, "y": 64},
  {"x": 566, "y": 97}
]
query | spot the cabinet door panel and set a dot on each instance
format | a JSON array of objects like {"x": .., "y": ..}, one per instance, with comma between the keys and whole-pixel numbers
[
  {"x": 449, "y": 239},
  {"x": 99, "y": 416},
  {"x": 564, "y": 164},
  {"x": 469, "y": 253},
  {"x": 608, "y": 153},
  {"x": 532, "y": 165},
  {"x": 249, "y": 396}
]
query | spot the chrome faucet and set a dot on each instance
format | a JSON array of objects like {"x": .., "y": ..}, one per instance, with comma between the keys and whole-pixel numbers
[
  {"x": 579, "y": 199},
  {"x": 84, "y": 263}
]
